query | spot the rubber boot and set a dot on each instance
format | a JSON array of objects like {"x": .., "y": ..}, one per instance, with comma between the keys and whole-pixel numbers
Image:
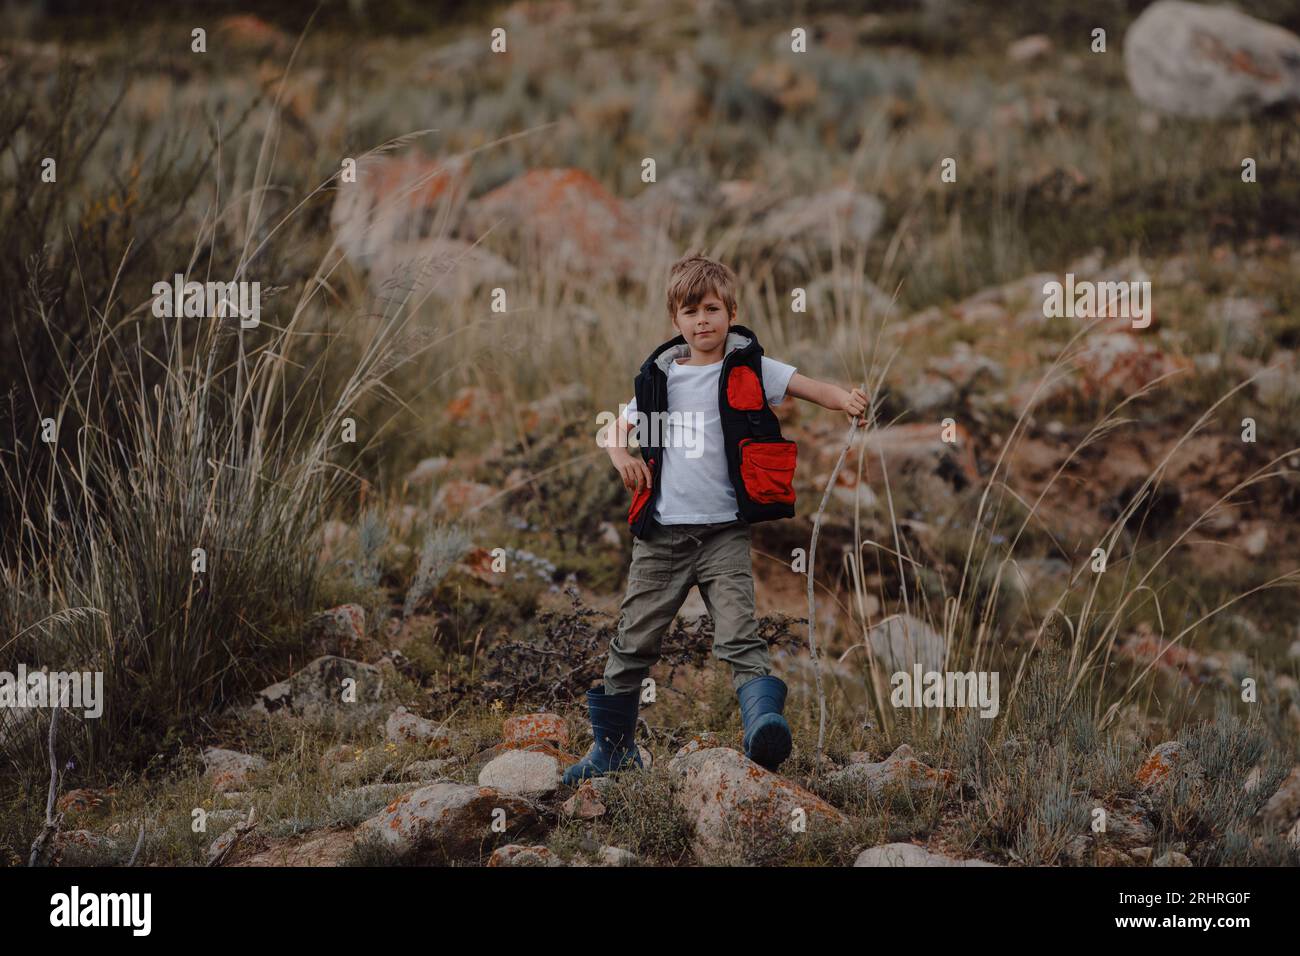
[
  {"x": 613, "y": 725},
  {"x": 767, "y": 735}
]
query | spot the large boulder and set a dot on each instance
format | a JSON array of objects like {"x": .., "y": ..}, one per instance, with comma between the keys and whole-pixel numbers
[
  {"x": 329, "y": 688},
  {"x": 450, "y": 821},
  {"x": 735, "y": 804},
  {"x": 1192, "y": 59},
  {"x": 571, "y": 221}
]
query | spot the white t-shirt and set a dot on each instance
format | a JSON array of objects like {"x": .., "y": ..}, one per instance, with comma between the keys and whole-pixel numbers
[{"x": 696, "y": 488}]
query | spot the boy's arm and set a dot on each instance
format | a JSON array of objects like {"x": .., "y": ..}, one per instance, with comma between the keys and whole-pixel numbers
[
  {"x": 827, "y": 395},
  {"x": 634, "y": 472}
]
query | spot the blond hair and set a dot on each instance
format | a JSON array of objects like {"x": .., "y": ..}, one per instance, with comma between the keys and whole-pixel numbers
[{"x": 694, "y": 277}]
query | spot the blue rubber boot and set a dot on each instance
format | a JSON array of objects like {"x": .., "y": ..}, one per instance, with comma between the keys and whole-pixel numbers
[
  {"x": 767, "y": 735},
  {"x": 613, "y": 724}
]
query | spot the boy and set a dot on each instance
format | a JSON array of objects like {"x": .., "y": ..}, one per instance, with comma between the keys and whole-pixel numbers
[{"x": 712, "y": 462}]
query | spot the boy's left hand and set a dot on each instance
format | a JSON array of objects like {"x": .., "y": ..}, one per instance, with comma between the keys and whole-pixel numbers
[{"x": 855, "y": 403}]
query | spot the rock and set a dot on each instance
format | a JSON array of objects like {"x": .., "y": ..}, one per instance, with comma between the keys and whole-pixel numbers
[
  {"x": 1082, "y": 850},
  {"x": 571, "y": 220},
  {"x": 1283, "y": 808},
  {"x": 340, "y": 630},
  {"x": 585, "y": 804},
  {"x": 359, "y": 803},
  {"x": 426, "y": 471},
  {"x": 522, "y": 771},
  {"x": 1119, "y": 363},
  {"x": 252, "y": 33},
  {"x": 1140, "y": 854},
  {"x": 404, "y": 727},
  {"x": 228, "y": 770},
  {"x": 821, "y": 219},
  {"x": 916, "y": 451},
  {"x": 734, "y": 803},
  {"x": 515, "y": 854},
  {"x": 1036, "y": 46},
  {"x": 396, "y": 201},
  {"x": 900, "y": 641},
  {"x": 536, "y": 728},
  {"x": 328, "y": 688},
  {"x": 83, "y": 848},
  {"x": 616, "y": 856},
  {"x": 1167, "y": 764},
  {"x": 84, "y": 802},
  {"x": 328, "y": 848},
  {"x": 1192, "y": 59},
  {"x": 684, "y": 200},
  {"x": 1172, "y": 858},
  {"x": 558, "y": 407},
  {"x": 901, "y": 768},
  {"x": 449, "y": 821},
  {"x": 1127, "y": 824},
  {"x": 908, "y": 854},
  {"x": 1148, "y": 649},
  {"x": 1278, "y": 383},
  {"x": 460, "y": 498},
  {"x": 224, "y": 846},
  {"x": 702, "y": 741}
]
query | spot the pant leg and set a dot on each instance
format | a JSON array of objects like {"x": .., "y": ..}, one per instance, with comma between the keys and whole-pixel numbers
[
  {"x": 725, "y": 572},
  {"x": 657, "y": 584}
]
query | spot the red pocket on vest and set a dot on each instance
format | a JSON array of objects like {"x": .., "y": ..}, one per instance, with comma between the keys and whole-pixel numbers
[
  {"x": 640, "y": 498},
  {"x": 744, "y": 390},
  {"x": 767, "y": 469}
]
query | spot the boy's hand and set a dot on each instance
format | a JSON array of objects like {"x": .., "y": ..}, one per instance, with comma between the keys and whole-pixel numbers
[
  {"x": 855, "y": 403},
  {"x": 634, "y": 471}
]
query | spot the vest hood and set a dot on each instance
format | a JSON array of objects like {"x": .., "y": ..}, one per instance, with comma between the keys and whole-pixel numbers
[{"x": 738, "y": 337}]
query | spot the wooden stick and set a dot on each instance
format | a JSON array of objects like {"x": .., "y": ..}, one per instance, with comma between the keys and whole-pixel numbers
[
  {"x": 52, "y": 820},
  {"x": 812, "y": 603}
]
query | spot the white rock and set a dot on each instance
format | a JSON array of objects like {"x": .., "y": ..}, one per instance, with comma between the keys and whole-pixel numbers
[
  {"x": 522, "y": 771},
  {"x": 449, "y": 820},
  {"x": 1191, "y": 59},
  {"x": 906, "y": 854}
]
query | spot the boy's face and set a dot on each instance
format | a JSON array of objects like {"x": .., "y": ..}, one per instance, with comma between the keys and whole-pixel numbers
[{"x": 704, "y": 325}]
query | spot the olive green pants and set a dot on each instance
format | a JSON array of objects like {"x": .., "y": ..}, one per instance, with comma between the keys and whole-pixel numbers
[{"x": 665, "y": 564}]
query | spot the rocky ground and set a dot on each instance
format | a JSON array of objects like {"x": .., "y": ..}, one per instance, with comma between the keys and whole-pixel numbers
[{"x": 469, "y": 580}]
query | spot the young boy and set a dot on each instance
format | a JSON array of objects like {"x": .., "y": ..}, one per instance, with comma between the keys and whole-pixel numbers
[{"x": 712, "y": 463}]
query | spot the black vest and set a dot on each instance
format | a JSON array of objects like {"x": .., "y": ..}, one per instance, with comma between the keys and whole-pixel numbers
[{"x": 760, "y": 462}]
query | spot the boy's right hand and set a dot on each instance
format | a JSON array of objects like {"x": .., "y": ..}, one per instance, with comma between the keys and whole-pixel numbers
[{"x": 634, "y": 472}]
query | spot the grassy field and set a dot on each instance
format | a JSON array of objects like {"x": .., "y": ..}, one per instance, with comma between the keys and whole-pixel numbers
[{"x": 383, "y": 428}]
